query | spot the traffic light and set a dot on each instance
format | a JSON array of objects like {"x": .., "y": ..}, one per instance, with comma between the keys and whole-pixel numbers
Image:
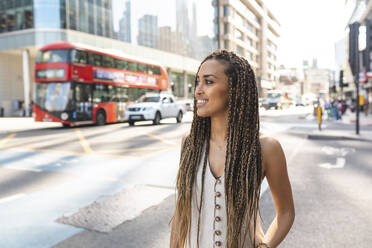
[
  {"x": 341, "y": 81},
  {"x": 354, "y": 48}
]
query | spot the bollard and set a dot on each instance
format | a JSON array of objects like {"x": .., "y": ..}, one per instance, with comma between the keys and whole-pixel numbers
[{"x": 319, "y": 117}]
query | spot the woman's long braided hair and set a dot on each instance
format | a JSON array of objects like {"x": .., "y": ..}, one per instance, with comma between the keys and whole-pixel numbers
[{"x": 243, "y": 157}]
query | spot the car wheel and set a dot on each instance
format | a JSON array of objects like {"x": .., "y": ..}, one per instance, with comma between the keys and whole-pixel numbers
[
  {"x": 179, "y": 117},
  {"x": 131, "y": 123},
  {"x": 100, "y": 118},
  {"x": 157, "y": 118}
]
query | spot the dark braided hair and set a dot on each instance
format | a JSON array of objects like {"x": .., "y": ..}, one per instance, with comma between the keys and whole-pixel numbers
[{"x": 243, "y": 160}]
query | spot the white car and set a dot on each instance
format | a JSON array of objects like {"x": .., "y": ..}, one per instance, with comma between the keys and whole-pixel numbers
[{"x": 154, "y": 107}]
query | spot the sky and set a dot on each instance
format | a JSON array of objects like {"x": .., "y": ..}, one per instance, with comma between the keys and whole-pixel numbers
[
  {"x": 309, "y": 29},
  {"x": 166, "y": 12}
]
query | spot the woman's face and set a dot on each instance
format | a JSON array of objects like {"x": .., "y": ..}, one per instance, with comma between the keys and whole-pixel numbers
[{"x": 211, "y": 92}]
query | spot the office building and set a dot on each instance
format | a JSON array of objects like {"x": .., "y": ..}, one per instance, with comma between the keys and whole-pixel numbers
[{"x": 250, "y": 29}]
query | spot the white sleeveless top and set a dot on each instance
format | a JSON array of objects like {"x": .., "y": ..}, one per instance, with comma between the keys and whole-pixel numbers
[{"x": 213, "y": 220}]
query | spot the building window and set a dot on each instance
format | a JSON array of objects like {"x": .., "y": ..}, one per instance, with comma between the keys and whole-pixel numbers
[
  {"x": 91, "y": 28},
  {"x": 82, "y": 15},
  {"x": 249, "y": 26},
  {"x": 226, "y": 44},
  {"x": 240, "y": 50},
  {"x": 225, "y": 10},
  {"x": 249, "y": 41},
  {"x": 72, "y": 14},
  {"x": 239, "y": 35},
  {"x": 239, "y": 20},
  {"x": 226, "y": 28}
]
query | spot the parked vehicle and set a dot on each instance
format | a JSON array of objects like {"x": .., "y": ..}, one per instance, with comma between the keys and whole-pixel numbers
[
  {"x": 188, "y": 104},
  {"x": 273, "y": 99},
  {"x": 155, "y": 107}
]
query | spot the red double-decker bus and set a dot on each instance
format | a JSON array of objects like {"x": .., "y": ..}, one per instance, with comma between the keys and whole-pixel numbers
[{"x": 76, "y": 84}]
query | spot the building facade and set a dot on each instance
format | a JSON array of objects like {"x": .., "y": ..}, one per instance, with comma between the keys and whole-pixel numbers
[
  {"x": 148, "y": 31},
  {"x": 125, "y": 24},
  {"x": 93, "y": 16},
  {"x": 27, "y": 25},
  {"x": 250, "y": 29},
  {"x": 362, "y": 13}
]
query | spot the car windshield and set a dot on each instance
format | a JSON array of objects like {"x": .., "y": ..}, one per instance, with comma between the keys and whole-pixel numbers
[
  {"x": 53, "y": 96},
  {"x": 149, "y": 99},
  {"x": 53, "y": 56}
]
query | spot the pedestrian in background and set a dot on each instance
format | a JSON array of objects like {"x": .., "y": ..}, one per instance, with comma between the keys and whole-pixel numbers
[{"x": 223, "y": 162}]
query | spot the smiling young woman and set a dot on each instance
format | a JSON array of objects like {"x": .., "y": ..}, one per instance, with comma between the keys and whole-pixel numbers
[{"x": 223, "y": 162}]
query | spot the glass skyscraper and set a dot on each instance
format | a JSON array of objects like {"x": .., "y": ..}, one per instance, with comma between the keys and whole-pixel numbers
[{"x": 92, "y": 16}]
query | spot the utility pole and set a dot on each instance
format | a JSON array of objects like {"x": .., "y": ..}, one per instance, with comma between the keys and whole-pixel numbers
[{"x": 354, "y": 58}]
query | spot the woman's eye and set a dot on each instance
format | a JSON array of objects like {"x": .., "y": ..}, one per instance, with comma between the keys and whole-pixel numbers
[{"x": 208, "y": 82}]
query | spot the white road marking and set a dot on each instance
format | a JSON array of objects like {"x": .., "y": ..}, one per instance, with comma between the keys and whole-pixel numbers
[
  {"x": 340, "y": 163},
  {"x": 10, "y": 198},
  {"x": 329, "y": 150}
]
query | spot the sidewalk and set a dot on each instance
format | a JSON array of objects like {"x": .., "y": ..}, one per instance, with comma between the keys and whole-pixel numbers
[
  {"x": 330, "y": 134},
  {"x": 344, "y": 129},
  {"x": 350, "y": 118},
  {"x": 16, "y": 124}
]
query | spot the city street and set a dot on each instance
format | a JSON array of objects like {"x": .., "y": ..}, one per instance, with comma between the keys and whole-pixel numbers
[{"x": 113, "y": 186}]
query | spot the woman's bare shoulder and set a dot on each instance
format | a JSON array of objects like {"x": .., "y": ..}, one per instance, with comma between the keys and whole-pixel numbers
[
  {"x": 271, "y": 150},
  {"x": 269, "y": 144}
]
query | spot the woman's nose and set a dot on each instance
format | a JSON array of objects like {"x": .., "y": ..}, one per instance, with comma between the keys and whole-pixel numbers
[{"x": 198, "y": 89}]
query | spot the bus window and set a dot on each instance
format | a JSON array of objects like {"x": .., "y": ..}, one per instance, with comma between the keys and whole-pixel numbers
[
  {"x": 79, "y": 57},
  {"x": 121, "y": 64},
  {"x": 154, "y": 70},
  {"x": 95, "y": 59},
  {"x": 121, "y": 94},
  {"x": 111, "y": 93},
  {"x": 142, "y": 68},
  {"x": 108, "y": 61},
  {"x": 101, "y": 93},
  {"x": 132, "y": 66},
  {"x": 53, "y": 56}
]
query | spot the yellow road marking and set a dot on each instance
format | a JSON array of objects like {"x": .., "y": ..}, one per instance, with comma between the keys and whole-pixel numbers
[
  {"x": 88, "y": 150},
  {"x": 6, "y": 139},
  {"x": 12, "y": 197},
  {"x": 161, "y": 139},
  {"x": 84, "y": 143},
  {"x": 24, "y": 149},
  {"x": 157, "y": 152}
]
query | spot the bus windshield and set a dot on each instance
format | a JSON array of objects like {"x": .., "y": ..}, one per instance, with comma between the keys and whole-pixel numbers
[
  {"x": 54, "y": 96},
  {"x": 53, "y": 56}
]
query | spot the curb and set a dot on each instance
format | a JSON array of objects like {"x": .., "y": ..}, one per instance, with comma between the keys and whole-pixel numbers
[{"x": 335, "y": 137}]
